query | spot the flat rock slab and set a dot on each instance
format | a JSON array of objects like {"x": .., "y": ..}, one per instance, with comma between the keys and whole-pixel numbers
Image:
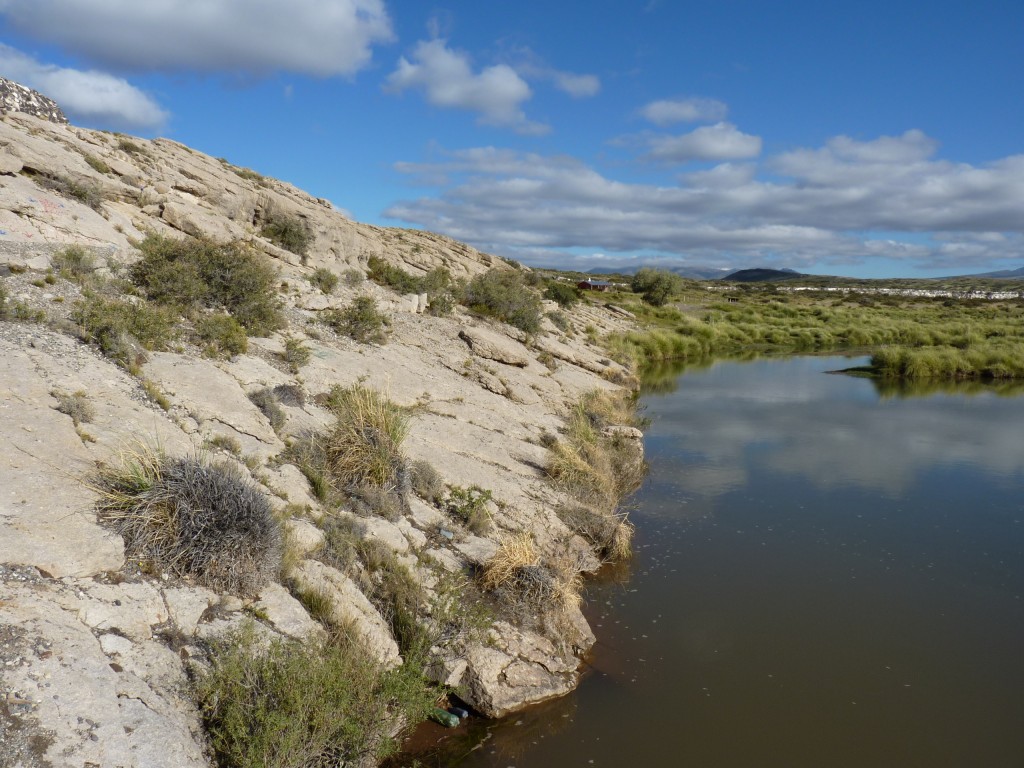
[{"x": 492, "y": 346}]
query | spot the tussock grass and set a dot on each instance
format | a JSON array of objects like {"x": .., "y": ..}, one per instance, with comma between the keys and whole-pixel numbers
[
  {"x": 517, "y": 573},
  {"x": 192, "y": 519},
  {"x": 610, "y": 534},
  {"x": 364, "y": 447},
  {"x": 266, "y": 400},
  {"x": 76, "y": 405}
]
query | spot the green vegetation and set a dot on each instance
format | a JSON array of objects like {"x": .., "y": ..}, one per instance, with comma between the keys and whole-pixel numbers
[
  {"x": 290, "y": 232},
  {"x": 915, "y": 338},
  {"x": 441, "y": 290},
  {"x": 503, "y": 293},
  {"x": 564, "y": 294},
  {"x": 293, "y": 704},
  {"x": 296, "y": 354},
  {"x": 191, "y": 519},
  {"x": 123, "y": 330},
  {"x": 469, "y": 507},
  {"x": 361, "y": 321},
  {"x": 223, "y": 334},
  {"x": 267, "y": 402},
  {"x": 74, "y": 263},
  {"x": 76, "y": 405},
  {"x": 83, "y": 191},
  {"x": 324, "y": 279},
  {"x": 199, "y": 273},
  {"x": 655, "y": 285},
  {"x": 97, "y": 164}
]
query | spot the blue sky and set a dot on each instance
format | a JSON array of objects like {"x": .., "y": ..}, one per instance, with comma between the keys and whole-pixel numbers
[{"x": 866, "y": 139}]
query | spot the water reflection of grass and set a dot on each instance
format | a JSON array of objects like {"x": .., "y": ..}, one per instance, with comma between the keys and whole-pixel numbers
[{"x": 902, "y": 388}]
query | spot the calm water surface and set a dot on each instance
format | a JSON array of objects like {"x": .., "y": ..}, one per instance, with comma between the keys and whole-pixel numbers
[{"x": 825, "y": 577}]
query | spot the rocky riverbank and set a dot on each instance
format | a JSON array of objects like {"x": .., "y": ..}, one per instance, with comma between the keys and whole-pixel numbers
[{"x": 100, "y": 648}]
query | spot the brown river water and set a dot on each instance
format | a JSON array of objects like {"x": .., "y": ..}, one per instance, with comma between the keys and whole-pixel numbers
[{"x": 828, "y": 574}]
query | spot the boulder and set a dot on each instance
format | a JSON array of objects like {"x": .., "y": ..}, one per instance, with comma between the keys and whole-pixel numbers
[{"x": 491, "y": 346}]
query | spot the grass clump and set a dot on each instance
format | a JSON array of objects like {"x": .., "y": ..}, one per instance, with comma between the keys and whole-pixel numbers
[
  {"x": 365, "y": 445},
  {"x": 324, "y": 279},
  {"x": 129, "y": 146},
  {"x": 531, "y": 586},
  {"x": 74, "y": 263},
  {"x": 84, "y": 192},
  {"x": 288, "y": 231},
  {"x": 76, "y": 405},
  {"x": 200, "y": 273},
  {"x": 192, "y": 519},
  {"x": 361, "y": 321},
  {"x": 503, "y": 294},
  {"x": 611, "y": 535},
  {"x": 426, "y": 482},
  {"x": 290, "y": 704}
]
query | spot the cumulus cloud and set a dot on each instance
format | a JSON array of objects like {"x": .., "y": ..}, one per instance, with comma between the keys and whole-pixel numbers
[
  {"x": 577, "y": 86},
  {"x": 721, "y": 141},
  {"x": 845, "y": 202},
  {"x": 695, "y": 110},
  {"x": 85, "y": 95},
  {"x": 447, "y": 79},
  {"x": 317, "y": 37}
]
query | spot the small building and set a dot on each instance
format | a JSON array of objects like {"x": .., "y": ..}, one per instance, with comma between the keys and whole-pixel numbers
[{"x": 594, "y": 285}]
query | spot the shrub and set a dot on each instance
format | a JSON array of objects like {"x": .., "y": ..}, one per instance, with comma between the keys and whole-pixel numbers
[
  {"x": 361, "y": 321},
  {"x": 223, "y": 335},
  {"x": 353, "y": 277},
  {"x": 290, "y": 394},
  {"x": 296, "y": 354},
  {"x": 289, "y": 231},
  {"x": 97, "y": 164},
  {"x": 383, "y": 273},
  {"x": 3, "y": 301},
  {"x": 656, "y": 285},
  {"x": 291, "y": 704},
  {"x": 123, "y": 330},
  {"x": 187, "y": 274},
  {"x": 562, "y": 293},
  {"x": 503, "y": 294},
  {"x": 192, "y": 519},
  {"x": 324, "y": 279},
  {"x": 74, "y": 263},
  {"x": 83, "y": 191},
  {"x": 76, "y": 405},
  {"x": 266, "y": 401},
  {"x": 469, "y": 506},
  {"x": 560, "y": 320},
  {"x": 129, "y": 146}
]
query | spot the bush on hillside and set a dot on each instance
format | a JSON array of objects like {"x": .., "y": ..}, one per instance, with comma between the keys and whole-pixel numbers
[
  {"x": 564, "y": 294},
  {"x": 291, "y": 232},
  {"x": 193, "y": 273},
  {"x": 655, "y": 285},
  {"x": 503, "y": 293}
]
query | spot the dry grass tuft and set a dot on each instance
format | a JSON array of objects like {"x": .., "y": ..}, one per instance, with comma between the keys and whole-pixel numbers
[
  {"x": 192, "y": 519},
  {"x": 517, "y": 573},
  {"x": 364, "y": 447}
]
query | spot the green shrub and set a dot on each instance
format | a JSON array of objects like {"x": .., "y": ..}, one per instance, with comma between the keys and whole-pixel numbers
[
  {"x": 192, "y": 519},
  {"x": 469, "y": 506},
  {"x": 187, "y": 274},
  {"x": 97, "y": 164},
  {"x": 74, "y": 263},
  {"x": 295, "y": 354},
  {"x": 129, "y": 146},
  {"x": 560, "y": 320},
  {"x": 324, "y": 279},
  {"x": 223, "y": 335},
  {"x": 361, "y": 321},
  {"x": 83, "y": 191},
  {"x": 564, "y": 294},
  {"x": 123, "y": 330},
  {"x": 295, "y": 704},
  {"x": 353, "y": 277},
  {"x": 656, "y": 285},
  {"x": 3, "y": 301},
  {"x": 383, "y": 273},
  {"x": 503, "y": 294},
  {"x": 289, "y": 231}
]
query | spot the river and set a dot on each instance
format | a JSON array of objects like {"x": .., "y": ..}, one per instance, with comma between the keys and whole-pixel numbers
[{"x": 827, "y": 575}]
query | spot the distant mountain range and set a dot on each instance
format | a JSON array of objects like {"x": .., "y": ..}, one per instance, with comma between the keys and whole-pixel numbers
[{"x": 999, "y": 273}]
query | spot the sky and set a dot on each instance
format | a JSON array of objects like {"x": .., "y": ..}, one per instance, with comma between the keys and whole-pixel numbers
[{"x": 868, "y": 139}]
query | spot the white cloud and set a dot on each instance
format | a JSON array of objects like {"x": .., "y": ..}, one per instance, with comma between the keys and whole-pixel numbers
[
  {"x": 85, "y": 96},
  {"x": 318, "y": 37},
  {"x": 844, "y": 203},
  {"x": 447, "y": 80},
  {"x": 721, "y": 141},
  {"x": 577, "y": 86},
  {"x": 667, "y": 111}
]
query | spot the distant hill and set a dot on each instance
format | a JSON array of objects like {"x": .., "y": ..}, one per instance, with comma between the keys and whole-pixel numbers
[
  {"x": 762, "y": 275},
  {"x": 1018, "y": 273},
  {"x": 693, "y": 273}
]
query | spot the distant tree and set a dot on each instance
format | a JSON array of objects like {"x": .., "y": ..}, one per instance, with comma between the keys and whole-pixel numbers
[
  {"x": 566, "y": 295},
  {"x": 656, "y": 285}
]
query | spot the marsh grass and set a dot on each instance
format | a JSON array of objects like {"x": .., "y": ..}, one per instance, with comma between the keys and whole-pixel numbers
[{"x": 190, "y": 518}]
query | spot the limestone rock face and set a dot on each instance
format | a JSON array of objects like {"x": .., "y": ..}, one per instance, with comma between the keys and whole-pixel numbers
[
  {"x": 492, "y": 346},
  {"x": 17, "y": 98}
]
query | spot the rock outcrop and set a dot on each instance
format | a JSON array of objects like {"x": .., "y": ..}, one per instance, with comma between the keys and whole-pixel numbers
[
  {"x": 15, "y": 97},
  {"x": 95, "y": 651}
]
